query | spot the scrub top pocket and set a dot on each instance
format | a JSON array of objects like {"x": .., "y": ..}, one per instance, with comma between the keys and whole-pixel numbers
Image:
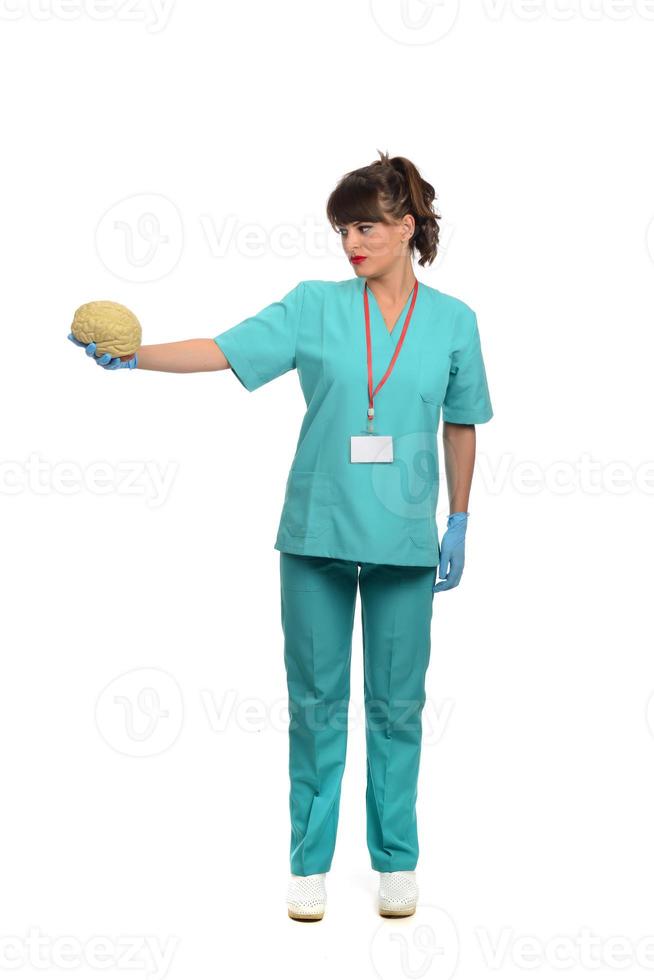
[
  {"x": 307, "y": 503},
  {"x": 432, "y": 379},
  {"x": 423, "y": 536}
]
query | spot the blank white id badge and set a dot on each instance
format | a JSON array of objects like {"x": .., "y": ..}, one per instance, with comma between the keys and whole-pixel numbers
[{"x": 371, "y": 449}]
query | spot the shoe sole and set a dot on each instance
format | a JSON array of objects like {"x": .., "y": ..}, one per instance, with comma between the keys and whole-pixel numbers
[
  {"x": 305, "y": 917},
  {"x": 397, "y": 913}
]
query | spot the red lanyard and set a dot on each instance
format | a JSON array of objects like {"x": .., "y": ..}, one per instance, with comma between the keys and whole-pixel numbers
[{"x": 371, "y": 393}]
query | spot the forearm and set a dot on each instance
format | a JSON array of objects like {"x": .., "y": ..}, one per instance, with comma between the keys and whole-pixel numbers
[
  {"x": 459, "y": 447},
  {"x": 182, "y": 356}
]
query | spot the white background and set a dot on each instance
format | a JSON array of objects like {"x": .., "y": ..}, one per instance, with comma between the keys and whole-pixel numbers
[{"x": 142, "y": 700}]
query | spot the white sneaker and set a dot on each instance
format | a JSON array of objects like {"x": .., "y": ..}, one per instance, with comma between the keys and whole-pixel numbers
[
  {"x": 398, "y": 893},
  {"x": 306, "y": 896}
]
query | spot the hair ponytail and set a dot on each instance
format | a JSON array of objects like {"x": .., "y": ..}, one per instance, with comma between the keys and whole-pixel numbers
[{"x": 388, "y": 188}]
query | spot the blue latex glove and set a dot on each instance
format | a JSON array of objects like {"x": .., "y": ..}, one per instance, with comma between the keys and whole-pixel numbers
[
  {"x": 452, "y": 551},
  {"x": 104, "y": 360}
]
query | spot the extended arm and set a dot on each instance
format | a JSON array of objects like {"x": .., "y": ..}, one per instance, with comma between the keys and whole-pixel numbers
[{"x": 182, "y": 356}]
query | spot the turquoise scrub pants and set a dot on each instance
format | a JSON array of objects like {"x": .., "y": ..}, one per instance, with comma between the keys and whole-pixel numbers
[{"x": 318, "y": 598}]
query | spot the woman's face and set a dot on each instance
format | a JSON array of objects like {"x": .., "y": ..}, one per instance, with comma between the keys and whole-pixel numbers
[{"x": 376, "y": 245}]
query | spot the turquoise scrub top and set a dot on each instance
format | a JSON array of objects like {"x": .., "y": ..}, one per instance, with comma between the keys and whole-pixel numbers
[{"x": 366, "y": 512}]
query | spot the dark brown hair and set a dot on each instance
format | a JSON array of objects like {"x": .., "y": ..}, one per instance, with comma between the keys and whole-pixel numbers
[{"x": 388, "y": 188}]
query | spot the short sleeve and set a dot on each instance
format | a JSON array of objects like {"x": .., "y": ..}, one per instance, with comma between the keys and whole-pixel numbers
[
  {"x": 262, "y": 347},
  {"x": 467, "y": 399}
]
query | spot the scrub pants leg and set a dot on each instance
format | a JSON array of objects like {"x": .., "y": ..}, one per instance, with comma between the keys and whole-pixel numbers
[
  {"x": 318, "y": 599},
  {"x": 396, "y": 613}
]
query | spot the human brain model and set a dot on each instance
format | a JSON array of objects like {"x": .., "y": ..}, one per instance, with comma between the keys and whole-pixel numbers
[{"x": 112, "y": 326}]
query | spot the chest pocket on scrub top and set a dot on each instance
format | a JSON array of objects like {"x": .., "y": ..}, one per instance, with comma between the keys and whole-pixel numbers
[
  {"x": 308, "y": 502},
  {"x": 433, "y": 377}
]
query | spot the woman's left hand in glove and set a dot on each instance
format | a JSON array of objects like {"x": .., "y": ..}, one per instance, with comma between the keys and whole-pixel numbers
[{"x": 452, "y": 552}]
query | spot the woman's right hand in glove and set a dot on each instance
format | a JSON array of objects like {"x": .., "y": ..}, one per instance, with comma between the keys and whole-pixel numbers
[{"x": 105, "y": 360}]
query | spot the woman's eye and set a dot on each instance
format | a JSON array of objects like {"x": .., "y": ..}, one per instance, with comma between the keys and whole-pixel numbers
[{"x": 364, "y": 228}]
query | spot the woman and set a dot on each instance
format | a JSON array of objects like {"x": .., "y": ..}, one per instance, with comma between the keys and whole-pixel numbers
[{"x": 378, "y": 356}]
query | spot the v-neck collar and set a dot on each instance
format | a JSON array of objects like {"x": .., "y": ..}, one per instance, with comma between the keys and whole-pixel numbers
[{"x": 376, "y": 313}]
